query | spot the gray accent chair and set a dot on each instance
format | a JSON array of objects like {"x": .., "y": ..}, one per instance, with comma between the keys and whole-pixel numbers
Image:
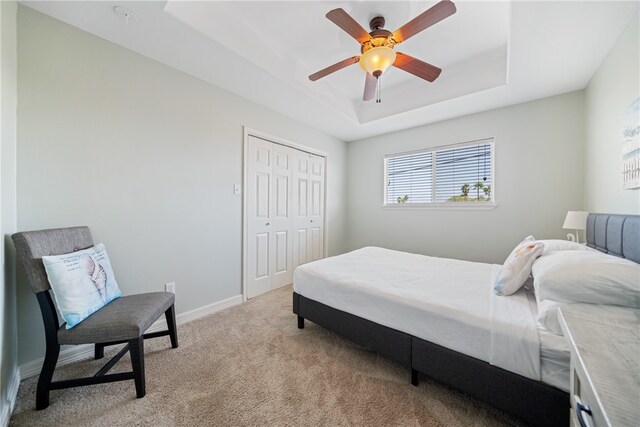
[{"x": 122, "y": 321}]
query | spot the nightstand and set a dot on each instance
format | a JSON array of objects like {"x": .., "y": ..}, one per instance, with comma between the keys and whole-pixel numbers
[{"x": 605, "y": 367}]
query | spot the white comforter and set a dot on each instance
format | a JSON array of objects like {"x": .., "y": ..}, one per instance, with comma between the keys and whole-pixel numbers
[{"x": 448, "y": 302}]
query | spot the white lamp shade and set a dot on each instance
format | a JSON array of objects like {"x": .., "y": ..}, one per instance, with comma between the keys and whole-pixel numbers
[
  {"x": 377, "y": 59},
  {"x": 576, "y": 220}
]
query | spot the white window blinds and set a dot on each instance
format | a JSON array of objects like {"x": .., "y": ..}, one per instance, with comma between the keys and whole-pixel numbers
[
  {"x": 409, "y": 178},
  {"x": 453, "y": 174}
]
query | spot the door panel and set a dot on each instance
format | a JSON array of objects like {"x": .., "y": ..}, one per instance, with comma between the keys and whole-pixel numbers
[
  {"x": 282, "y": 160},
  {"x": 316, "y": 209},
  {"x": 303, "y": 202},
  {"x": 262, "y": 195},
  {"x": 303, "y": 164},
  {"x": 282, "y": 196},
  {"x": 258, "y": 211},
  {"x": 281, "y": 218},
  {"x": 282, "y": 251},
  {"x": 309, "y": 208},
  {"x": 316, "y": 243},
  {"x": 315, "y": 198},
  {"x": 262, "y": 255},
  {"x": 301, "y": 247},
  {"x": 263, "y": 155},
  {"x": 285, "y": 213},
  {"x": 316, "y": 169}
]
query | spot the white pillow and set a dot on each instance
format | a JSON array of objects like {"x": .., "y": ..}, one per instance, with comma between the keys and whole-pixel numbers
[
  {"x": 548, "y": 315},
  {"x": 583, "y": 277},
  {"x": 517, "y": 267},
  {"x": 551, "y": 320},
  {"x": 552, "y": 245},
  {"x": 82, "y": 282}
]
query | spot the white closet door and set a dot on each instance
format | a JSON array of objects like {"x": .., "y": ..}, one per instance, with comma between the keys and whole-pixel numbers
[
  {"x": 301, "y": 209},
  {"x": 316, "y": 208},
  {"x": 269, "y": 216},
  {"x": 308, "y": 208},
  {"x": 258, "y": 211},
  {"x": 281, "y": 221}
]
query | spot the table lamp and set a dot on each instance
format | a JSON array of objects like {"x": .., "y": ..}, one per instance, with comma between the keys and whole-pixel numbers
[{"x": 575, "y": 220}]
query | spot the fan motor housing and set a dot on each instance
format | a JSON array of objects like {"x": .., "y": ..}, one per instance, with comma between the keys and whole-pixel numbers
[
  {"x": 376, "y": 23},
  {"x": 379, "y": 36},
  {"x": 380, "y": 33}
]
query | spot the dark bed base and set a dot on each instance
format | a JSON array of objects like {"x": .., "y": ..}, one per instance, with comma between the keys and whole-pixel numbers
[{"x": 534, "y": 402}]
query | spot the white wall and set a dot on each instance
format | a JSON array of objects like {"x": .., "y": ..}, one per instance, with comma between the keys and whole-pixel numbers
[
  {"x": 538, "y": 178},
  {"x": 145, "y": 155},
  {"x": 611, "y": 90},
  {"x": 8, "y": 84}
]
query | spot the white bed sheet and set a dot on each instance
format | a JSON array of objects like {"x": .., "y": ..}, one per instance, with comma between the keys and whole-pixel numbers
[
  {"x": 444, "y": 301},
  {"x": 554, "y": 349},
  {"x": 515, "y": 344},
  {"x": 555, "y": 357}
]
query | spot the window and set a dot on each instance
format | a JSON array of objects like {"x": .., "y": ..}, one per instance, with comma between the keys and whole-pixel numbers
[{"x": 460, "y": 174}]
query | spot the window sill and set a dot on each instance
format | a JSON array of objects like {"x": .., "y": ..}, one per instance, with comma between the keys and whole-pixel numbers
[{"x": 444, "y": 206}]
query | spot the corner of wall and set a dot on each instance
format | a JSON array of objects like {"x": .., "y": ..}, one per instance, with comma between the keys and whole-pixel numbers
[
  {"x": 9, "y": 373},
  {"x": 9, "y": 399}
]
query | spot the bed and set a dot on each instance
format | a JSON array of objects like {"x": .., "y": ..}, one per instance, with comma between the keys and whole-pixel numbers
[{"x": 439, "y": 317}]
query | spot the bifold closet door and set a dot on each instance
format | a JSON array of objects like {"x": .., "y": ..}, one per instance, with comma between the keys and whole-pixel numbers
[
  {"x": 308, "y": 208},
  {"x": 269, "y": 216}
]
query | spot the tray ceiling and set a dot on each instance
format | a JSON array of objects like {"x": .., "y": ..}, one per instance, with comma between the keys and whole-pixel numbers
[{"x": 492, "y": 54}]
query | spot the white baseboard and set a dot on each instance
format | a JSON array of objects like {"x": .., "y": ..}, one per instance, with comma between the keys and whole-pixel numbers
[
  {"x": 196, "y": 313},
  {"x": 73, "y": 354},
  {"x": 85, "y": 351},
  {"x": 9, "y": 404}
]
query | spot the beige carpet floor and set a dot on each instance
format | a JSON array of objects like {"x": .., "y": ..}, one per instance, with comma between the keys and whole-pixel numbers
[{"x": 250, "y": 365}]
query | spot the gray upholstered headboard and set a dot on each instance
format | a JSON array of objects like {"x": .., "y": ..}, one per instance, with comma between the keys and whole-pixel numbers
[{"x": 617, "y": 235}]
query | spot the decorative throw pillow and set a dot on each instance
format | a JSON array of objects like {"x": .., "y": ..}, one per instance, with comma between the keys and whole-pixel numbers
[
  {"x": 82, "y": 282},
  {"x": 517, "y": 267}
]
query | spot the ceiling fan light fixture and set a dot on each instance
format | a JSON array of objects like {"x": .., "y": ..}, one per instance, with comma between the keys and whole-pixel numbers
[
  {"x": 376, "y": 60},
  {"x": 377, "y": 46}
]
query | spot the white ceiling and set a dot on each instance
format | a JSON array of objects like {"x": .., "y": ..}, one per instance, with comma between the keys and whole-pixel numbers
[{"x": 493, "y": 54}]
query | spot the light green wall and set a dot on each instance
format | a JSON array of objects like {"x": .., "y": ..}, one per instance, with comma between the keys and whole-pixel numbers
[
  {"x": 612, "y": 89},
  {"x": 145, "y": 155},
  {"x": 8, "y": 338},
  {"x": 538, "y": 178}
]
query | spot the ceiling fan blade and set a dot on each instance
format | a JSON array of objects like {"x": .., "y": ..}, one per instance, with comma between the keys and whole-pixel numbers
[
  {"x": 431, "y": 16},
  {"x": 343, "y": 20},
  {"x": 369, "y": 87},
  {"x": 333, "y": 68},
  {"x": 416, "y": 67}
]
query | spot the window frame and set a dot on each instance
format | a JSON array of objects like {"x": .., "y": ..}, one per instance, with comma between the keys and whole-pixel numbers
[{"x": 489, "y": 205}]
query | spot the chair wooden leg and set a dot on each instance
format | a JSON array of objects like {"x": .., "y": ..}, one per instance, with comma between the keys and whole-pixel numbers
[
  {"x": 99, "y": 351},
  {"x": 170, "y": 315},
  {"x": 136, "y": 349},
  {"x": 44, "y": 382}
]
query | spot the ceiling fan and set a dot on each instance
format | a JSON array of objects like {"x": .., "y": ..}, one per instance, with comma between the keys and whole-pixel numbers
[{"x": 377, "y": 47}]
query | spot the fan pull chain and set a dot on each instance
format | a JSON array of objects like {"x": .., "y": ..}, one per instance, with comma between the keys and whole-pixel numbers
[{"x": 378, "y": 91}]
